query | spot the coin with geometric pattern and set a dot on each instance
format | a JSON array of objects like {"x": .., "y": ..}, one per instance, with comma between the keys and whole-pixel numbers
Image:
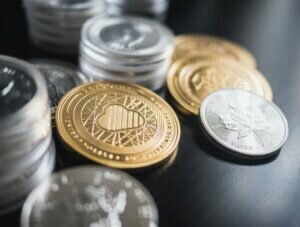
[{"x": 119, "y": 125}]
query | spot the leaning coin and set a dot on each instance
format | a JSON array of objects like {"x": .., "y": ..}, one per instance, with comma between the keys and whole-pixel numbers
[
  {"x": 90, "y": 196},
  {"x": 243, "y": 123},
  {"x": 117, "y": 124},
  {"x": 195, "y": 76},
  {"x": 185, "y": 44},
  {"x": 61, "y": 77}
]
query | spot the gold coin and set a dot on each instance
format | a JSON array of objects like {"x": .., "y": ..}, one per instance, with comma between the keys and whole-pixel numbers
[
  {"x": 195, "y": 76},
  {"x": 186, "y": 44},
  {"x": 119, "y": 125}
]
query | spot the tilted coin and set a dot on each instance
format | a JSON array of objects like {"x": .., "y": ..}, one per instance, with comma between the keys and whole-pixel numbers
[
  {"x": 185, "y": 44},
  {"x": 60, "y": 77},
  {"x": 243, "y": 123},
  {"x": 119, "y": 125},
  {"x": 90, "y": 196},
  {"x": 193, "y": 77}
]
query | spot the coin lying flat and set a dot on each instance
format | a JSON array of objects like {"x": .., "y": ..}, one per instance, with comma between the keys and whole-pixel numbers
[
  {"x": 243, "y": 123},
  {"x": 118, "y": 125},
  {"x": 185, "y": 44},
  {"x": 60, "y": 77},
  {"x": 193, "y": 77},
  {"x": 90, "y": 196}
]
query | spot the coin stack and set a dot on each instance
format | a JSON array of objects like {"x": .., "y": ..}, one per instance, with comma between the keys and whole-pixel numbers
[
  {"x": 54, "y": 25},
  {"x": 126, "y": 49},
  {"x": 60, "y": 77},
  {"x": 90, "y": 196},
  {"x": 151, "y": 8},
  {"x": 120, "y": 125},
  {"x": 27, "y": 154},
  {"x": 218, "y": 81}
]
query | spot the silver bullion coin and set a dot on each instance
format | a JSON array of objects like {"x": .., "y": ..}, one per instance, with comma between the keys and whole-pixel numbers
[
  {"x": 60, "y": 77},
  {"x": 127, "y": 36},
  {"x": 90, "y": 196},
  {"x": 243, "y": 123}
]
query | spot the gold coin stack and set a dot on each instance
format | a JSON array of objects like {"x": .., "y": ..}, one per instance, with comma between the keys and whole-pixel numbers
[
  {"x": 202, "y": 64},
  {"x": 119, "y": 125}
]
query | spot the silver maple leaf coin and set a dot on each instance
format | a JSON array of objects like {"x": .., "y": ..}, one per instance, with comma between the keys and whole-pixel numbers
[
  {"x": 243, "y": 123},
  {"x": 90, "y": 196}
]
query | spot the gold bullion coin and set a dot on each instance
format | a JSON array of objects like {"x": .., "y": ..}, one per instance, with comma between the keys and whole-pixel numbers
[
  {"x": 186, "y": 44},
  {"x": 119, "y": 125},
  {"x": 195, "y": 76}
]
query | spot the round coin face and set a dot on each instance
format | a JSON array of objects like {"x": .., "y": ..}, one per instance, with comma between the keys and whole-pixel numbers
[
  {"x": 186, "y": 44},
  {"x": 127, "y": 36},
  {"x": 243, "y": 123},
  {"x": 90, "y": 196},
  {"x": 195, "y": 76},
  {"x": 17, "y": 88},
  {"x": 60, "y": 78},
  {"x": 119, "y": 125}
]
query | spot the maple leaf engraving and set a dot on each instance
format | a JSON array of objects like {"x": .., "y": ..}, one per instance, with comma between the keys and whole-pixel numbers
[{"x": 244, "y": 122}]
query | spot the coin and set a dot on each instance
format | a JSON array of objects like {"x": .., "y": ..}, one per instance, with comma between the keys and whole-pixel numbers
[
  {"x": 185, "y": 44},
  {"x": 118, "y": 125},
  {"x": 243, "y": 123},
  {"x": 90, "y": 196},
  {"x": 60, "y": 77},
  {"x": 195, "y": 76}
]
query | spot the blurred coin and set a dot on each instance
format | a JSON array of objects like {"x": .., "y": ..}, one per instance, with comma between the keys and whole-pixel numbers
[
  {"x": 185, "y": 44},
  {"x": 118, "y": 125},
  {"x": 243, "y": 123},
  {"x": 61, "y": 77},
  {"x": 195, "y": 76},
  {"x": 90, "y": 196}
]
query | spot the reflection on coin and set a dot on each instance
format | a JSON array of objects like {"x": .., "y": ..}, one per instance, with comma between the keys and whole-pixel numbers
[
  {"x": 193, "y": 77},
  {"x": 60, "y": 77},
  {"x": 119, "y": 125},
  {"x": 185, "y": 44},
  {"x": 243, "y": 123},
  {"x": 90, "y": 196},
  {"x": 17, "y": 88}
]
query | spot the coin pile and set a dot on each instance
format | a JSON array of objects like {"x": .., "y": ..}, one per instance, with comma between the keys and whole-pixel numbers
[
  {"x": 126, "y": 49},
  {"x": 60, "y": 77},
  {"x": 54, "y": 25},
  {"x": 151, "y": 8},
  {"x": 218, "y": 80},
  {"x": 120, "y": 125},
  {"x": 90, "y": 196},
  {"x": 27, "y": 154}
]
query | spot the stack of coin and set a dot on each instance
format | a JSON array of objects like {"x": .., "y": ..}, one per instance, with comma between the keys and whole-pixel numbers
[
  {"x": 54, "y": 25},
  {"x": 126, "y": 49},
  {"x": 151, "y": 8},
  {"x": 27, "y": 154},
  {"x": 60, "y": 77},
  {"x": 203, "y": 64},
  {"x": 118, "y": 125},
  {"x": 90, "y": 196}
]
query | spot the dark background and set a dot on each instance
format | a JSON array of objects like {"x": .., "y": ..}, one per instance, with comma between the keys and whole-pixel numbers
[{"x": 205, "y": 187}]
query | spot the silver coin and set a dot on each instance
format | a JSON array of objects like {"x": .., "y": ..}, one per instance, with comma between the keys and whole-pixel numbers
[
  {"x": 127, "y": 36},
  {"x": 61, "y": 77},
  {"x": 90, "y": 196},
  {"x": 243, "y": 123}
]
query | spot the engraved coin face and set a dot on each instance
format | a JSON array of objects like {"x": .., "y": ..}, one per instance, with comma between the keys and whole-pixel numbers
[
  {"x": 90, "y": 196},
  {"x": 194, "y": 77},
  {"x": 119, "y": 125},
  {"x": 60, "y": 78},
  {"x": 127, "y": 36},
  {"x": 185, "y": 44},
  {"x": 17, "y": 88},
  {"x": 243, "y": 123}
]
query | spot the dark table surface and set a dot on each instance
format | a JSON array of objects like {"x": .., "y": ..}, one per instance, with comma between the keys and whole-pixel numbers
[{"x": 205, "y": 187}]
